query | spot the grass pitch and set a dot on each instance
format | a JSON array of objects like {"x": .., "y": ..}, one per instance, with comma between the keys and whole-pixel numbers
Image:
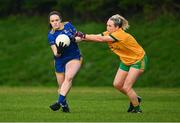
[{"x": 88, "y": 104}]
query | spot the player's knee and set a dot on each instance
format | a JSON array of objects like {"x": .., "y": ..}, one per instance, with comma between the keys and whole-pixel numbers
[
  {"x": 69, "y": 78},
  {"x": 117, "y": 85},
  {"x": 141, "y": 71},
  {"x": 126, "y": 89}
]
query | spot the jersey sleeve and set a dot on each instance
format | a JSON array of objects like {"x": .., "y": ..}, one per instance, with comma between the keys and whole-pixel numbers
[
  {"x": 106, "y": 33},
  {"x": 115, "y": 36},
  {"x": 51, "y": 39}
]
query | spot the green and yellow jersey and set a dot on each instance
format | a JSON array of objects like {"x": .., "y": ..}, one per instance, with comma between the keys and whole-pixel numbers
[{"x": 125, "y": 46}]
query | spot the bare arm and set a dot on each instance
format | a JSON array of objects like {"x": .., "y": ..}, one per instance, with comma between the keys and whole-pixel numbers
[
  {"x": 98, "y": 38},
  {"x": 54, "y": 49}
]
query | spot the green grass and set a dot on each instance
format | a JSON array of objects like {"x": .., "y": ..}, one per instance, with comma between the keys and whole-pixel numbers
[
  {"x": 26, "y": 58},
  {"x": 99, "y": 104}
]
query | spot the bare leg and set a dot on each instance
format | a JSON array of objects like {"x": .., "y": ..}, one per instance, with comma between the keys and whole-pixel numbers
[
  {"x": 131, "y": 78},
  {"x": 60, "y": 79},
  {"x": 72, "y": 67},
  {"x": 120, "y": 79}
]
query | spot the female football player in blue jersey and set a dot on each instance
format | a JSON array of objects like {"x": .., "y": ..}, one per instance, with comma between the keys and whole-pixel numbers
[{"x": 67, "y": 60}]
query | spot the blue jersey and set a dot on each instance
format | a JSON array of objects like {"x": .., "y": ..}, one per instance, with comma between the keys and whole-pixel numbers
[{"x": 72, "y": 50}]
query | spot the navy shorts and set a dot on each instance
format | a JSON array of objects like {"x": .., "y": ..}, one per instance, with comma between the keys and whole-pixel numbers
[{"x": 61, "y": 63}]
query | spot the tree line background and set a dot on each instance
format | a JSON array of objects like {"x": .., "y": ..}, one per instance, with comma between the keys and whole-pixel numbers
[{"x": 91, "y": 10}]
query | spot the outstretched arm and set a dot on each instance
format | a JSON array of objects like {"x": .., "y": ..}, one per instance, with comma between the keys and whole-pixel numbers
[
  {"x": 94, "y": 37},
  {"x": 98, "y": 38}
]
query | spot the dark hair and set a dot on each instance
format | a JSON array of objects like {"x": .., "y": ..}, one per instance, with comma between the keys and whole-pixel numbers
[{"x": 54, "y": 13}]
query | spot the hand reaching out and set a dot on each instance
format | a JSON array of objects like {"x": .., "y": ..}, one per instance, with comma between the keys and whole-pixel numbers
[{"x": 80, "y": 34}]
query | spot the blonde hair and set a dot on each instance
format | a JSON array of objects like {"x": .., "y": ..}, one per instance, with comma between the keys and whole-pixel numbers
[{"x": 120, "y": 21}]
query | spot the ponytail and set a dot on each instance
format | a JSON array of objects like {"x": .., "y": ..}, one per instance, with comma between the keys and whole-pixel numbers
[{"x": 120, "y": 21}]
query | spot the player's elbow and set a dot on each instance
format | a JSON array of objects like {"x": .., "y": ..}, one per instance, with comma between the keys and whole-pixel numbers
[{"x": 105, "y": 39}]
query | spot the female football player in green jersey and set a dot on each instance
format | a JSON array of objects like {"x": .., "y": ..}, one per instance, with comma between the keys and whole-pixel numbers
[{"x": 132, "y": 56}]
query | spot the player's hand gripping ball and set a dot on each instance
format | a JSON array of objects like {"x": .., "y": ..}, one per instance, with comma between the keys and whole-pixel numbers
[{"x": 62, "y": 40}]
